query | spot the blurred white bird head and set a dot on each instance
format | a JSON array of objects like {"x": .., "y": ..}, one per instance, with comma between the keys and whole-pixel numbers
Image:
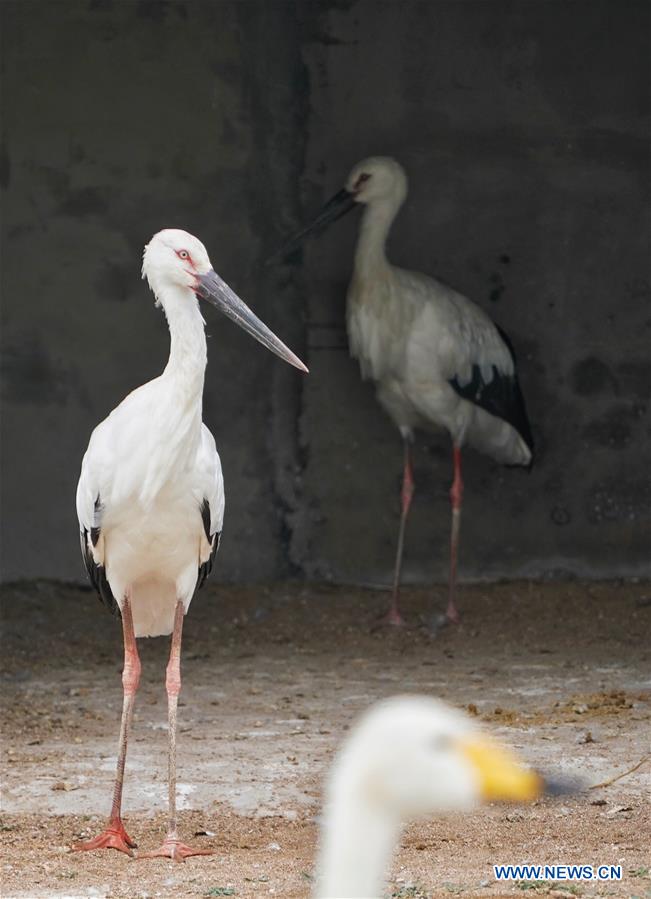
[
  {"x": 414, "y": 755},
  {"x": 406, "y": 757}
]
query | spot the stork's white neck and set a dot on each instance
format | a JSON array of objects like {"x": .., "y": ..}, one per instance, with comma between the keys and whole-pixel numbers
[
  {"x": 185, "y": 369},
  {"x": 370, "y": 254},
  {"x": 181, "y": 391},
  {"x": 357, "y": 845}
]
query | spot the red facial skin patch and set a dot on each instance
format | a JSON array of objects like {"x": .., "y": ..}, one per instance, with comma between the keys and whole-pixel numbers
[{"x": 188, "y": 258}]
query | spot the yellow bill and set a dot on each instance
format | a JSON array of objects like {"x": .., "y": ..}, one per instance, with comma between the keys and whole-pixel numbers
[{"x": 501, "y": 775}]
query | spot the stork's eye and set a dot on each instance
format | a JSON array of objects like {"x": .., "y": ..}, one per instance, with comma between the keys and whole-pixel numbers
[
  {"x": 363, "y": 178},
  {"x": 183, "y": 254}
]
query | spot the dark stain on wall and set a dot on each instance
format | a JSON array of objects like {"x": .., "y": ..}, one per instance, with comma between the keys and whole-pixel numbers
[
  {"x": 498, "y": 287},
  {"x": 497, "y": 280},
  {"x": 591, "y": 377},
  {"x": 635, "y": 378},
  {"x": 5, "y": 166},
  {"x": 31, "y": 374},
  {"x": 613, "y": 429},
  {"x": 157, "y": 11},
  {"x": 115, "y": 281},
  {"x": 84, "y": 202}
]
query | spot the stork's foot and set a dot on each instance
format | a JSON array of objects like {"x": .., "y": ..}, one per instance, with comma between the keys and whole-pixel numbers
[
  {"x": 392, "y": 618},
  {"x": 114, "y": 837},
  {"x": 174, "y": 849}
]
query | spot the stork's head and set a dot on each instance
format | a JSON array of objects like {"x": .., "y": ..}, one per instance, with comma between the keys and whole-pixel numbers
[
  {"x": 414, "y": 755},
  {"x": 174, "y": 258},
  {"x": 177, "y": 267},
  {"x": 378, "y": 180}
]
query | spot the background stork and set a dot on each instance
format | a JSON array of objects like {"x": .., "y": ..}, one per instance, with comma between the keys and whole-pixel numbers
[
  {"x": 437, "y": 359},
  {"x": 150, "y": 498}
]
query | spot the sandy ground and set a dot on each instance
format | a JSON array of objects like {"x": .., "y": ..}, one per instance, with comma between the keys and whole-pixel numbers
[{"x": 272, "y": 678}]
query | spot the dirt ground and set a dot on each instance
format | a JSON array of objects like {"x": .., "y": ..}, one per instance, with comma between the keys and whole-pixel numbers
[{"x": 272, "y": 678}]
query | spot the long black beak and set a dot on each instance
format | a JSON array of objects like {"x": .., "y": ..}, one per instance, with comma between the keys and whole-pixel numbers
[
  {"x": 215, "y": 291},
  {"x": 335, "y": 208}
]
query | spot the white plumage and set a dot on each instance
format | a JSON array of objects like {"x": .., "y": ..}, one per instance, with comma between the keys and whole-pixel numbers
[
  {"x": 151, "y": 536},
  {"x": 438, "y": 361},
  {"x": 150, "y": 498},
  {"x": 413, "y": 335},
  {"x": 148, "y": 470},
  {"x": 406, "y": 758}
]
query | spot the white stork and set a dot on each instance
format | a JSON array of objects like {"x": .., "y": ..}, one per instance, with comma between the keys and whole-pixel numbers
[
  {"x": 150, "y": 499},
  {"x": 407, "y": 757},
  {"x": 437, "y": 359}
]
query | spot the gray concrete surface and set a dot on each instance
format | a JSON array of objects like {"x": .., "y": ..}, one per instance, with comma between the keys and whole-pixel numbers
[
  {"x": 524, "y": 131},
  {"x": 121, "y": 119}
]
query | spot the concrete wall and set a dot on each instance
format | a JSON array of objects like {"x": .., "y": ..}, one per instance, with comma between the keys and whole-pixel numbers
[
  {"x": 523, "y": 128},
  {"x": 120, "y": 119}
]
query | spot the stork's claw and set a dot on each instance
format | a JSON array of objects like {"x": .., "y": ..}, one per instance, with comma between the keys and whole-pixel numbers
[
  {"x": 174, "y": 849},
  {"x": 113, "y": 837}
]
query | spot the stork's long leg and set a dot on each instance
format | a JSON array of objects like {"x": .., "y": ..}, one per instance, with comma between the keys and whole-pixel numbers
[
  {"x": 115, "y": 836},
  {"x": 393, "y": 616},
  {"x": 172, "y": 847},
  {"x": 456, "y": 496}
]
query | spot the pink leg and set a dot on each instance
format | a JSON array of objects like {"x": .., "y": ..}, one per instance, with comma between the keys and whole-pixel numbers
[
  {"x": 393, "y": 616},
  {"x": 115, "y": 836},
  {"x": 456, "y": 495},
  {"x": 172, "y": 847}
]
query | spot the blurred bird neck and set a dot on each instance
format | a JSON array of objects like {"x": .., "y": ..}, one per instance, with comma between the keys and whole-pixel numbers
[
  {"x": 357, "y": 844},
  {"x": 186, "y": 366},
  {"x": 370, "y": 255}
]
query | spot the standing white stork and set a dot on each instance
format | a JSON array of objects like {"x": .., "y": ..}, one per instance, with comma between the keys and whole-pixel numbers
[
  {"x": 437, "y": 359},
  {"x": 150, "y": 499}
]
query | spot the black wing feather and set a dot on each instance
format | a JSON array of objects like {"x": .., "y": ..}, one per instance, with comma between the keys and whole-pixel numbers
[
  {"x": 96, "y": 573},
  {"x": 501, "y": 396},
  {"x": 206, "y": 567}
]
